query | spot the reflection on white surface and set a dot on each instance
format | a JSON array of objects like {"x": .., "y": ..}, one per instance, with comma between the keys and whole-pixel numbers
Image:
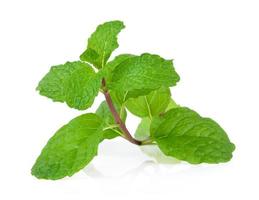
[
  {"x": 145, "y": 168},
  {"x": 154, "y": 152},
  {"x": 119, "y": 159}
]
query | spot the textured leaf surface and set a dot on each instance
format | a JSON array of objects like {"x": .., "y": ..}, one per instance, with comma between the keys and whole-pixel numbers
[
  {"x": 118, "y": 60},
  {"x": 145, "y": 72},
  {"x": 110, "y": 66},
  {"x": 75, "y": 83},
  {"x": 185, "y": 135},
  {"x": 102, "y": 43},
  {"x": 105, "y": 114},
  {"x": 150, "y": 105},
  {"x": 120, "y": 95},
  {"x": 71, "y": 148}
]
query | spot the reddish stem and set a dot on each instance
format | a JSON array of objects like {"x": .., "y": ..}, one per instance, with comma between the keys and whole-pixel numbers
[{"x": 117, "y": 117}]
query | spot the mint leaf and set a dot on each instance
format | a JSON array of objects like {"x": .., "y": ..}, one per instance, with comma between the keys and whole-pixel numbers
[
  {"x": 75, "y": 83},
  {"x": 110, "y": 66},
  {"x": 185, "y": 135},
  {"x": 122, "y": 96},
  {"x": 102, "y": 43},
  {"x": 150, "y": 105},
  {"x": 118, "y": 97},
  {"x": 171, "y": 105},
  {"x": 118, "y": 60},
  {"x": 139, "y": 83},
  {"x": 110, "y": 128},
  {"x": 146, "y": 72},
  {"x": 143, "y": 132},
  {"x": 71, "y": 148}
]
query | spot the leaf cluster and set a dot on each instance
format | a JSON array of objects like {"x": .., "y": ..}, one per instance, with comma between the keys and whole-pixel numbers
[{"x": 139, "y": 84}]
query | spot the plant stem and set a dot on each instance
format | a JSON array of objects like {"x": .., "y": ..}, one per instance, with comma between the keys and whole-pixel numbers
[
  {"x": 147, "y": 142},
  {"x": 117, "y": 116}
]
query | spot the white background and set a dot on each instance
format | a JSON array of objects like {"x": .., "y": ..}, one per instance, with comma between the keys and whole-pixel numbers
[{"x": 215, "y": 47}]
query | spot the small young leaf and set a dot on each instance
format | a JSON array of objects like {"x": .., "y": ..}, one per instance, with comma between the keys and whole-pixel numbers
[
  {"x": 110, "y": 130},
  {"x": 143, "y": 132},
  {"x": 150, "y": 105},
  {"x": 71, "y": 148},
  {"x": 143, "y": 73},
  {"x": 185, "y": 135},
  {"x": 122, "y": 96},
  {"x": 75, "y": 83},
  {"x": 102, "y": 43}
]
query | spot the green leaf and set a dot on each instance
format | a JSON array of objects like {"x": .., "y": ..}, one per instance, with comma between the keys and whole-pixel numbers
[
  {"x": 122, "y": 96},
  {"x": 171, "y": 105},
  {"x": 71, "y": 148},
  {"x": 111, "y": 129},
  {"x": 110, "y": 66},
  {"x": 118, "y": 60},
  {"x": 102, "y": 43},
  {"x": 118, "y": 97},
  {"x": 75, "y": 83},
  {"x": 143, "y": 132},
  {"x": 142, "y": 74},
  {"x": 150, "y": 105},
  {"x": 185, "y": 135}
]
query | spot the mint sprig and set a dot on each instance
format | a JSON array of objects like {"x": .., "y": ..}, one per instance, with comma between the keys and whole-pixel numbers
[{"x": 137, "y": 83}]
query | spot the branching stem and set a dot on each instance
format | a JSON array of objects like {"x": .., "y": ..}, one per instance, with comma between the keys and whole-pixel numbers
[{"x": 116, "y": 116}]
